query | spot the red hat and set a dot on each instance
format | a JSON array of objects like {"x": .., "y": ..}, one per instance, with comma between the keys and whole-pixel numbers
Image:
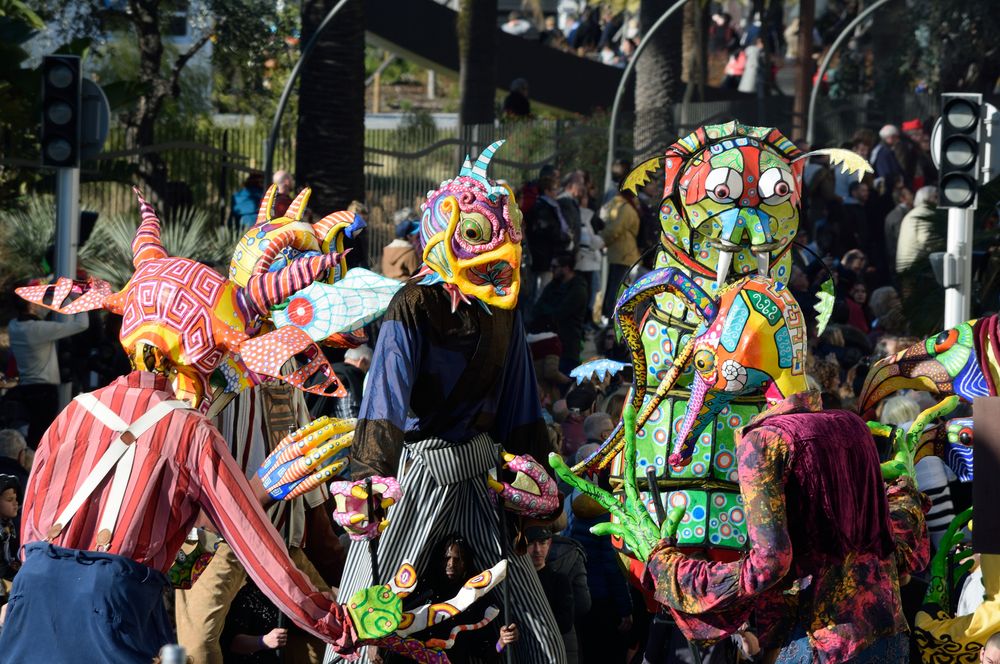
[{"x": 912, "y": 125}]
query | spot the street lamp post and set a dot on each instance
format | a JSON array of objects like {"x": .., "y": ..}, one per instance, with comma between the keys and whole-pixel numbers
[{"x": 821, "y": 71}]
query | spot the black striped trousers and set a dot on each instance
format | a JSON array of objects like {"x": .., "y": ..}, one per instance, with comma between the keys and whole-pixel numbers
[{"x": 444, "y": 491}]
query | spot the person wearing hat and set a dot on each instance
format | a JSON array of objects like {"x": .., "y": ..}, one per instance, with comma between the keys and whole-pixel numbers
[
  {"x": 557, "y": 587},
  {"x": 399, "y": 258}
]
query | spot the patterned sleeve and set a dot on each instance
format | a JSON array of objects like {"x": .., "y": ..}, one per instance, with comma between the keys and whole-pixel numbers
[
  {"x": 907, "y": 507},
  {"x": 378, "y": 439},
  {"x": 697, "y": 586},
  {"x": 219, "y": 486}
]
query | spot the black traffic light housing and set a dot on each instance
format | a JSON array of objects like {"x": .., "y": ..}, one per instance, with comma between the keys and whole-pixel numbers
[
  {"x": 961, "y": 141},
  {"x": 61, "y": 84}
]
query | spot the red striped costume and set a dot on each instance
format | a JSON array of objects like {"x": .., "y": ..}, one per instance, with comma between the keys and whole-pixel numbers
[{"x": 183, "y": 467}]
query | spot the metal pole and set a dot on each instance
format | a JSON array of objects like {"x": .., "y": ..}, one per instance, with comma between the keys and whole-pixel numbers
[
  {"x": 272, "y": 138},
  {"x": 613, "y": 121},
  {"x": 67, "y": 238},
  {"x": 821, "y": 71},
  {"x": 958, "y": 299},
  {"x": 67, "y": 220}
]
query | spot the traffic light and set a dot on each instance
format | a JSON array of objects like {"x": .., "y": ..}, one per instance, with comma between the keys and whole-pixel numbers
[
  {"x": 961, "y": 137},
  {"x": 61, "y": 111}
]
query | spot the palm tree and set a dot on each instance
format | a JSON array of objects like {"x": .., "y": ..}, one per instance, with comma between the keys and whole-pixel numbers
[
  {"x": 330, "y": 152},
  {"x": 658, "y": 79},
  {"x": 477, "y": 75}
]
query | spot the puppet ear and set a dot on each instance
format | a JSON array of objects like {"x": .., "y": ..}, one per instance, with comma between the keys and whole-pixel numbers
[
  {"x": 850, "y": 162},
  {"x": 267, "y": 353},
  {"x": 67, "y": 296},
  {"x": 640, "y": 175}
]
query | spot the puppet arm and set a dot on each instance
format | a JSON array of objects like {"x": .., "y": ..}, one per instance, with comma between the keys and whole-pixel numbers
[{"x": 220, "y": 487}]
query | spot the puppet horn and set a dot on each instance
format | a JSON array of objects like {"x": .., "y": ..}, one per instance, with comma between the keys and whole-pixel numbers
[
  {"x": 266, "y": 205},
  {"x": 146, "y": 245},
  {"x": 269, "y": 289},
  {"x": 298, "y": 206}
]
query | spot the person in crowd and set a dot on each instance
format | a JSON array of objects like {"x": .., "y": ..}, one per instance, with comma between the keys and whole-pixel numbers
[
  {"x": 570, "y": 202},
  {"x": 567, "y": 558},
  {"x": 990, "y": 654},
  {"x": 597, "y": 428},
  {"x": 883, "y": 158},
  {"x": 546, "y": 351},
  {"x": 358, "y": 257},
  {"x": 602, "y": 629},
  {"x": 581, "y": 402},
  {"x": 246, "y": 201},
  {"x": 590, "y": 247},
  {"x": 547, "y": 229},
  {"x": 894, "y": 221},
  {"x": 564, "y": 300},
  {"x": 400, "y": 259},
  {"x": 919, "y": 234},
  {"x": 251, "y": 635},
  {"x": 858, "y": 316},
  {"x": 912, "y": 152},
  {"x": 621, "y": 237},
  {"x": 283, "y": 196},
  {"x": 860, "y": 144},
  {"x": 451, "y": 564},
  {"x": 558, "y": 587},
  {"x": 10, "y": 511},
  {"x": 518, "y": 26},
  {"x": 33, "y": 345},
  {"x": 851, "y": 233},
  {"x": 517, "y": 104},
  {"x": 14, "y": 455},
  {"x": 887, "y": 313}
]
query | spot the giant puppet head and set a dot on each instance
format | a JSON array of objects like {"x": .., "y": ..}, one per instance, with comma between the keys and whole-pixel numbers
[
  {"x": 752, "y": 338},
  {"x": 470, "y": 237},
  {"x": 731, "y": 191},
  {"x": 182, "y": 319},
  {"x": 958, "y": 361}
]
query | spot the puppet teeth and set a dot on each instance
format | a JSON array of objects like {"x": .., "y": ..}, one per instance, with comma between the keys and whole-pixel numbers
[
  {"x": 763, "y": 262},
  {"x": 725, "y": 261}
]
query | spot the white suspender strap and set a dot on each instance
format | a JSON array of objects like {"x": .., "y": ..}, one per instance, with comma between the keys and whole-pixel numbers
[{"x": 120, "y": 455}]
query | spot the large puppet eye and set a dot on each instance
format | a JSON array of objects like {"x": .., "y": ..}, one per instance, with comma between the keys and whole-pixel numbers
[
  {"x": 475, "y": 228},
  {"x": 724, "y": 185},
  {"x": 704, "y": 362},
  {"x": 965, "y": 436},
  {"x": 775, "y": 186},
  {"x": 945, "y": 340}
]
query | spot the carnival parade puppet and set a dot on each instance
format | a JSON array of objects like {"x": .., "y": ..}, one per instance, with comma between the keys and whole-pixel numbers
[
  {"x": 123, "y": 472},
  {"x": 730, "y": 208},
  {"x": 451, "y": 388},
  {"x": 826, "y": 547}
]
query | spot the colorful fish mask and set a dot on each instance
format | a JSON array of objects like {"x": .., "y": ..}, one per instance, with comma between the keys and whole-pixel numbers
[
  {"x": 183, "y": 319},
  {"x": 732, "y": 191},
  {"x": 470, "y": 237},
  {"x": 752, "y": 338}
]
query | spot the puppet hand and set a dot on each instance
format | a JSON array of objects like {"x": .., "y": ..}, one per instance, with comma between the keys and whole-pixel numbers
[
  {"x": 375, "y": 612},
  {"x": 532, "y": 493},
  {"x": 303, "y": 460},
  {"x": 361, "y": 505},
  {"x": 938, "y": 590}
]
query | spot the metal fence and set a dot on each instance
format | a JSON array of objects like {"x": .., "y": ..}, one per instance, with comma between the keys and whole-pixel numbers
[{"x": 206, "y": 165}]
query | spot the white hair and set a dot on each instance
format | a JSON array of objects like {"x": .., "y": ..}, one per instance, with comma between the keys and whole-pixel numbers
[
  {"x": 899, "y": 410},
  {"x": 11, "y": 443},
  {"x": 362, "y": 352},
  {"x": 925, "y": 195},
  {"x": 888, "y": 130},
  {"x": 593, "y": 423}
]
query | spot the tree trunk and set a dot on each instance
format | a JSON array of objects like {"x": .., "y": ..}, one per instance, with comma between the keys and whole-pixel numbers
[
  {"x": 140, "y": 125},
  {"x": 330, "y": 152},
  {"x": 477, "y": 76},
  {"x": 658, "y": 79},
  {"x": 804, "y": 72}
]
